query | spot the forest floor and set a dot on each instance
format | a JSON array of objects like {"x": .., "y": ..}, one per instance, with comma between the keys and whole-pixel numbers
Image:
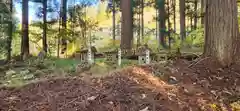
[{"x": 180, "y": 86}]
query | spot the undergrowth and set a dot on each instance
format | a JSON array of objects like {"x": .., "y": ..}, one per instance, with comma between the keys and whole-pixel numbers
[{"x": 18, "y": 74}]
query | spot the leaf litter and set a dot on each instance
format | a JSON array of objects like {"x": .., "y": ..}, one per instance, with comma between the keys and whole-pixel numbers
[{"x": 177, "y": 87}]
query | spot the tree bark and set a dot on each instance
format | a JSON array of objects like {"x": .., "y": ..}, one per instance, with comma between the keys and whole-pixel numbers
[
  {"x": 10, "y": 33},
  {"x": 162, "y": 22},
  {"x": 25, "y": 36},
  {"x": 221, "y": 31},
  {"x": 192, "y": 27},
  {"x": 127, "y": 24},
  {"x": 202, "y": 11},
  {"x": 114, "y": 21},
  {"x": 182, "y": 19},
  {"x": 157, "y": 26},
  {"x": 169, "y": 24},
  {"x": 58, "y": 38},
  {"x": 142, "y": 19},
  {"x": 174, "y": 14},
  {"x": 195, "y": 14},
  {"x": 138, "y": 21},
  {"x": 64, "y": 24},
  {"x": 44, "y": 42}
]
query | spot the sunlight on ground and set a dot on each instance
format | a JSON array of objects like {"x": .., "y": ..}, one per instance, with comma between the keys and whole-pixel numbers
[{"x": 149, "y": 76}]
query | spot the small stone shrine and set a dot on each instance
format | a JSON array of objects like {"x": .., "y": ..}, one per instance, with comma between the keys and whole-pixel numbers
[
  {"x": 143, "y": 53},
  {"x": 111, "y": 56},
  {"x": 83, "y": 54}
]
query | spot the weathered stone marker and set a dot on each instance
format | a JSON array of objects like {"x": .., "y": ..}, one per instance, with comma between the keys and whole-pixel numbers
[
  {"x": 141, "y": 59},
  {"x": 119, "y": 57},
  {"x": 90, "y": 56},
  {"x": 148, "y": 57}
]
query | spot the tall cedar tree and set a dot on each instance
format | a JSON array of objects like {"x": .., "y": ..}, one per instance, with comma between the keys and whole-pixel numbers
[
  {"x": 162, "y": 22},
  {"x": 182, "y": 19},
  {"x": 221, "y": 31},
  {"x": 114, "y": 21},
  {"x": 10, "y": 32},
  {"x": 25, "y": 35},
  {"x": 44, "y": 42},
  {"x": 174, "y": 14},
  {"x": 157, "y": 19},
  {"x": 195, "y": 14},
  {"x": 138, "y": 23},
  {"x": 127, "y": 24},
  {"x": 169, "y": 23},
  {"x": 142, "y": 19},
  {"x": 64, "y": 23},
  {"x": 202, "y": 11}
]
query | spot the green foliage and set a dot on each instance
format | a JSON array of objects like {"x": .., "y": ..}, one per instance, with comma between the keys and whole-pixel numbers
[
  {"x": 33, "y": 69},
  {"x": 3, "y": 40},
  {"x": 153, "y": 44},
  {"x": 109, "y": 45},
  {"x": 3, "y": 46},
  {"x": 16, "y": 44},
  {"x": 176, "y": 41},
  {"x": 17, "y": 77},
  {"x": 61, "y": 63},
  {"x": 126, "y": 62},
  {"x": 193, "y": 39}
]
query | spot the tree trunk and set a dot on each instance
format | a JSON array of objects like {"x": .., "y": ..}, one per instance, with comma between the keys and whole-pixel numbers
[
  {"x": 127, "y": 24},
  {"x": 202, "y": 11},
  {"x": 195, "y": 14},
  {"x": 10, "y": 33},
  {"x": 58, "y": 38},
  {"x": 64, "y": 24},
  {"x": 169, "y": 24},
  {"x": 114, "y": 21},
  {"x": 162, "y": 22},
  {"x": 174, "y": 14},
  {"x": 191, "y": 22},
  {"x": 44, "y": 42},
  {"x": 182, "y": 19},
  {"x": 221, "y": 31},
  {"x": 142, "y": 19},
  {"x": 138, "y": 21},
  {"x": 25, "y": 36},
  {"x": 157, "y": 28}
]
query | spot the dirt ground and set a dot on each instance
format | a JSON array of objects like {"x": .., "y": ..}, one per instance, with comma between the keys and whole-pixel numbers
[{"x": 183, "y": 86}]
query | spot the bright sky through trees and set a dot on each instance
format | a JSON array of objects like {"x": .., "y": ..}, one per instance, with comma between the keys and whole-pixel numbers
[{"x": 34, "y": 7}]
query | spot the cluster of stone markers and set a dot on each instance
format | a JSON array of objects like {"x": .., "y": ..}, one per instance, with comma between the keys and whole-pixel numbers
[
  {"x": 115, "y": 56},
  {"x": 143, "y": 57}
]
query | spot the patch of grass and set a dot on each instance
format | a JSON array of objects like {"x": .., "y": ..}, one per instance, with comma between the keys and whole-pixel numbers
[
  {"x": 61, "y": 63},
  {"x": 127, "y": 62},
  {"x": 35, "y": 69},
  {"x": 17, "y": 77},
  {"x": 100, "y": 69}
]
